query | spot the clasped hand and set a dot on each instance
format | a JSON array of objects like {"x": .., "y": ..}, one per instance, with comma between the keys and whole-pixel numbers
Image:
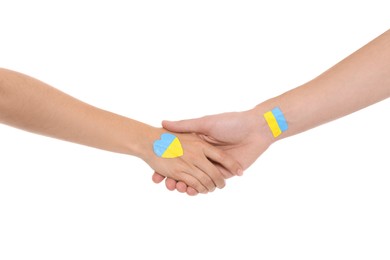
[{"x": 240, "y": 135}]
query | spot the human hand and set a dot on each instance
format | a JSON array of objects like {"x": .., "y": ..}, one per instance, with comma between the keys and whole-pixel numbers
[
  {"x": 242, "y": 135},
  {"x": 194, "y": 168}
]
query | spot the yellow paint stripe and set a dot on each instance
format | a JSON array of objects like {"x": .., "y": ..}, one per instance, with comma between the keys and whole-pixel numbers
[
  {"x": 272, "y": 123},
  {"x": 174, "y": 149}
]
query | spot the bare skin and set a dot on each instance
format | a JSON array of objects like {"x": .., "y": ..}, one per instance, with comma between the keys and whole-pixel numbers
[
  {"x": 358, "y": 81},
  {"x": 29, "y": 104}
]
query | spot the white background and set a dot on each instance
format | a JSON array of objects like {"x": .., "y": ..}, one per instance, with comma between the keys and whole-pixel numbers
[{"x": 323, "y": 194}]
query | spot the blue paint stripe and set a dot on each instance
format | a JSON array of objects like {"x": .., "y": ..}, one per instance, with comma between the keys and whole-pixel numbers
[
  {"x": 167, "y": 138},
  {"x": 160, "y": 146},
  {"x": 158, "y": 150},
  {"x": 280, "y": 119}
]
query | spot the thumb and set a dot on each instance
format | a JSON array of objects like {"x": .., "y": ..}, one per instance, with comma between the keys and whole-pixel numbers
[{"x": 196, "y": 125}]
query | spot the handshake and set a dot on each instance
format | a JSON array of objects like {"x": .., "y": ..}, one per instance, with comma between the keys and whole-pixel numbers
[
  {"x": 214, "y": 148},
  {"x": 197, "y": 155}
]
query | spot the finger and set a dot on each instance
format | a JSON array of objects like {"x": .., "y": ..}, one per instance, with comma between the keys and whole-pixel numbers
[
  {"x": 190, "y": 125},
  {"x": 157, "y": 178},
  {"x": 224, "y": 159},
  {"x": 206, "y": 166},
  {"x": 181, "y": 187},
  {"x": 195, "y": 178},
  {"x": 191, "y": 191},
  {"x": 170, "y": 184},
  {"x": 225, "y": 173},
  {"x": 201, "y": 177}
]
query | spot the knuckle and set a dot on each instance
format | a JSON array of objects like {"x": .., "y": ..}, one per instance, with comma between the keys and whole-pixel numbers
[
  {"x": 217, "y": 177},
  {"x": 192, "y": 182},
  {"x": 208, "y": 182},
  {"x": 175, "y": 175},
  {"x": 221, "y": 156}
]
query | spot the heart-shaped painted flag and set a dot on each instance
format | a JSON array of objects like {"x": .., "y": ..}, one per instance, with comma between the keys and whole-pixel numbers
[{"x": 168, "y": 146}]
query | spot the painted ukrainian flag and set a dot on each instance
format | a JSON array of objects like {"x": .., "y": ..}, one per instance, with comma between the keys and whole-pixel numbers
[
  {"x": 168, "y": 146},
  {"x": 276, "y": 121}
]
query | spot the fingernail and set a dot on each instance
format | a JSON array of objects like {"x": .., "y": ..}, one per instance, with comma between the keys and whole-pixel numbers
[{"x": 240, "y": 172}]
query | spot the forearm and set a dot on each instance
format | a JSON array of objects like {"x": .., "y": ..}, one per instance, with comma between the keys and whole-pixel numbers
[
  {"x": 34, "y": 106},
  {"x": 358, "y": 81}
]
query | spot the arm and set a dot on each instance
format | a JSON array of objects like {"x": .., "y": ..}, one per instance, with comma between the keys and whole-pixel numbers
[
  {"x": 34, "y": 106},
  {"x": 356, "y": 82}
]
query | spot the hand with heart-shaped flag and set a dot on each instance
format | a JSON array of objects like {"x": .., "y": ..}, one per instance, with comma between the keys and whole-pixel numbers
[
  {"x": 187, "y": 158},
  {"x": 32, "y": 105}
]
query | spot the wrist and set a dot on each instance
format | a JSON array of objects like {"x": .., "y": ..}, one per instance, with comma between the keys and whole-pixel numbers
[{"x": 140, "y": 141}]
